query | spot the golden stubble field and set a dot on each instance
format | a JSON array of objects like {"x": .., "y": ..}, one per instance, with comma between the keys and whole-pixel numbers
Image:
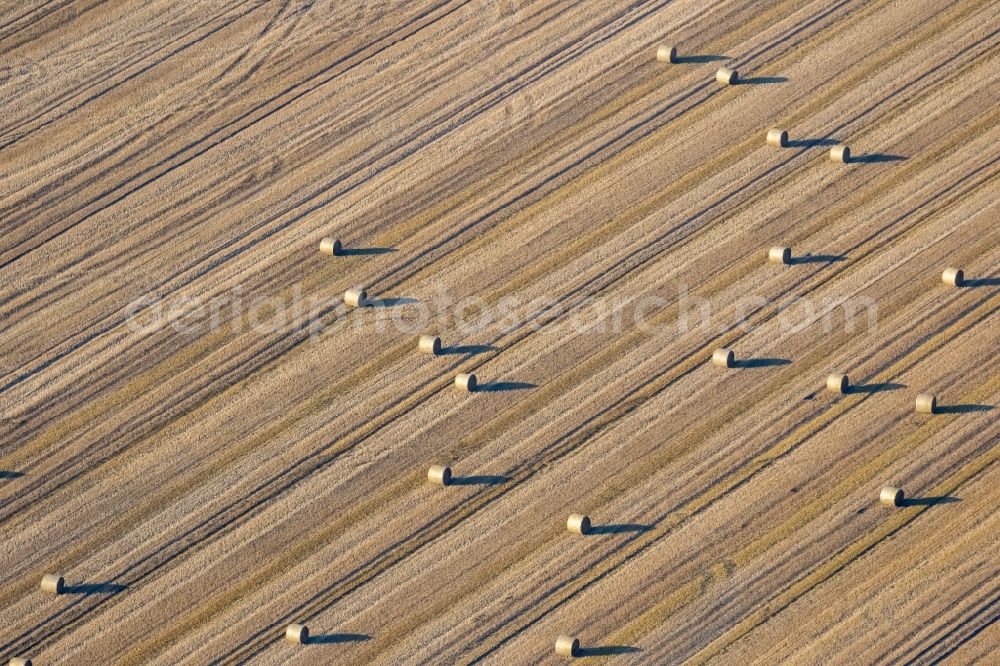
[{"x": 209, "y": 448}]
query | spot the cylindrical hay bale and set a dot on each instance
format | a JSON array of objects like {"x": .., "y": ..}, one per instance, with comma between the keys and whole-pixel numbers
[
  {"x": 439, "y": 475},
  {"x": 838, "y": 383},
  {"x": 330, "y": 246},
  {"x": 780, "y": 255},
  {"x": 465, "y": 382},
  {"x": 777, "y": 137},
  {"x": 430, "y": 344},
  {"x": 356, "y": 298},
  {"x": 840, "y": 154},
  {"x": 926, "y": 404},
  {"x": 19, "y": 661},
  {"x": 953, "y": 276},
  {"x": 578, "y": 523},
  {"x": 567, "y": 646},
  {"x": 297, "y": 633},
  {"x": 891, "y": 496},
  {"x": 53, "y": 583},
  {"x": 724, "y": 358},
  {"x": 726, "y": 76},
  {"x": 666, "y": 53}
]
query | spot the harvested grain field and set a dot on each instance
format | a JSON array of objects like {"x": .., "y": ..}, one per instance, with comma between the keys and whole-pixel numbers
[{"x": 209, "y": 446}]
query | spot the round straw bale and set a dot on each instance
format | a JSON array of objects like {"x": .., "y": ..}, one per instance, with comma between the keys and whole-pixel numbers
[
  {"x": 330, "y": 246},
  {"x": 780, "y": 255},
  {"x": 926, "y": 404},
  {"x": 578, "y": 523},
  {"x": 439, "y": 475},
  {"x": 19, "y": 661},
  {"x": 727, "y": 77},
  {"x": 838, "y": 383},
  {"x": 297, "y": 633},
  {"x": 891, "y": 496},
  {"x": 465, "y": 382},
  {"x": 430, "y": 344},
  {"x": 777, "y": 137},
  {"x": 53, "y": 583},
  {"x": 567, "y": 646},
  {"x": 724, "y": 358},
  {"x": 953, "y": 276},
  {"x": 356, "y": 298},
  {"x": 666, "y": 53},
  {"x": 840, "y": 154}
]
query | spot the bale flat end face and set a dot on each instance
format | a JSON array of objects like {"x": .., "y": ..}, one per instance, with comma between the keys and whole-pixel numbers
[
  {"x": 780, "y": 255},
  {"x": 19, "y": 661},
  {"x": 777, "y": 137},
  {"x": 439, "y": 475},
  {"x": 724, "y": 358},
  {"x": 53, "y": 584},
  {"x": 727, "y": 77},
  {"x": 430, "y": 344},
  {"x": 953, "y": 276},
  {"x": 330, "y": 246},
  {"x": 891, "y": 496},
  {"x": 841, "y": 154},
  {"x": 567, "y": 646},
  {"x": 356, "y": 298},
  {"x": 838, "y": 383},
  {"x": 297, "y": 633},
  {"x": 578, "y": 523},
  {"x": 465, "y": 382},
  {"x": 926, "y": 404},
  {"x": 666, "y": 53}
]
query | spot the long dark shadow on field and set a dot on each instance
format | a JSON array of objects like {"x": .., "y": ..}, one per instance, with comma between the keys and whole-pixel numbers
[
  {"x": 929, "y": 501},
  {"x": 818, "y": 259},
  {"x": 620, "y": 528},
  {"x": 468, "y": 349},
  {"x": 983, "y": 282},
  {"x": 696, "y": 59},
  {"x": 390, "y": 302},
  {"x": 761, "y": 80},
  {"x": 10, "y": 475},
  {"x": 962, "y": 409},
  {"x": 353, "y": 251},
  {"x": 503, "y": 387},
  {"x": 875, "y": 158},
  {"x": 94, "y": 588},
  {"x": 760, "y": 362},
  {"x": 811, "y": 143},
  {"x": 481, "y": 480},
  {"x": 321, "y": 639},
  {"x": 875, "y": 388},
  {"x": 606, "y": 650}
]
